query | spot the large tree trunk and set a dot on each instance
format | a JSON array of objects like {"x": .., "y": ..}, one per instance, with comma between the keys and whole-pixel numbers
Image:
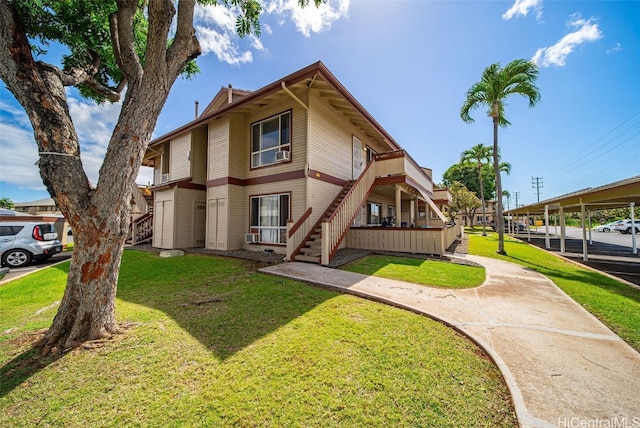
[{"x": 98, "y": 216}]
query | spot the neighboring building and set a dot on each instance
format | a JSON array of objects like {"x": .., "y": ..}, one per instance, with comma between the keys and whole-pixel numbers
[
  {"x": 298, "y": 167},
  {"x": 464, "y": 219},
  {"x": 46, "y": 206}
]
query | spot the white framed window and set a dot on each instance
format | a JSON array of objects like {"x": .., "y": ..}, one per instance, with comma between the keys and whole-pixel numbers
[
  {"x": 269, "y": 137},
  {"x": 269, "y": 215}
]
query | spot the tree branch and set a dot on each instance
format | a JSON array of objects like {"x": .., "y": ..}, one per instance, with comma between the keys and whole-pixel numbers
[
  {"x": 122, "y": 22},
  {"x": 185, "y": 46},
  {"x": 77, "y": 76},
  {"x": 161, "y": 12}
]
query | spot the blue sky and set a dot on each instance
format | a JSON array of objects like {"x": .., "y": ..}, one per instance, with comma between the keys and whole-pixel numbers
[{"x": 410, "y": 63}]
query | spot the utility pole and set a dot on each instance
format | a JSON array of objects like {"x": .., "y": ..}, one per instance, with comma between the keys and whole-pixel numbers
[
  {"x": 536, "y": 183},
  {"x": 517, "y": 194}
]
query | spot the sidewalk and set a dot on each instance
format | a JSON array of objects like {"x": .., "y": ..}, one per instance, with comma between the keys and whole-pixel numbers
[{"x": 562, "y": 366}]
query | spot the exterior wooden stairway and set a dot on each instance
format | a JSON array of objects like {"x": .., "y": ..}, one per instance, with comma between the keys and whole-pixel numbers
[{"x": 311, "y": 249}]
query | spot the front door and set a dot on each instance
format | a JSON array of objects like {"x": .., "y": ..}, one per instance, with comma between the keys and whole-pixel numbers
[{"x": 358, "y": 160}]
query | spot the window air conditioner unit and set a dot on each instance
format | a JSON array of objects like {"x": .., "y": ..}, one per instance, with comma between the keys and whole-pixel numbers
[
  {"x": 251, "y": 238},
  {"x": 282, "y": 155},
  {"x": 165, "y": 178}
]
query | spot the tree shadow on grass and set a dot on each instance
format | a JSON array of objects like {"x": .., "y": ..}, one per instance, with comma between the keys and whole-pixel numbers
[
  {"x": 16, "y": 371},
  {"x": 222, "y": 302}
]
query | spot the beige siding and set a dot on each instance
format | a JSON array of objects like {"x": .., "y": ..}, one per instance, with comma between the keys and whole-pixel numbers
[
  {"x": 297, "y": 190},
  {"x": 321, "y": 194},
  {"x": 157, "y": 172},
  {"x": 238, "y": 150},
  {"x": 199, "y": 156},
  {"x": 186, "y": 204},
  {"x": 217, "y": 217},
  {"x": 238, "y": 221},
  {"x": 298, "y": 138},
  {"x": 218, "y": 149},
  {"x": 392, "y": 239},
  {"x": 180, "y": 152},
  {"x": 331, "y": 140},
  {"x": 163, "y": 216}
]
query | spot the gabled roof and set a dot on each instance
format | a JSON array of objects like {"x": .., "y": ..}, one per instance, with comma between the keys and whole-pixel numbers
[
  {"x": 39, "y": 203},
  {"x": 316, "y": 75},
  {"x": 222, "y": 98}
]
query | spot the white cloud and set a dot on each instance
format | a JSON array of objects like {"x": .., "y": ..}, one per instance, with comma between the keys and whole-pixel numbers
[
  {"x": 522, "y": 7},
  {"x": 616, "y": 48},
  {"x": 223, "y": 45},
  {"x": 586, "y": 30},
  {"x": 310, "y": 19},
  {"x": 216, "y": 26},
  {"x": 94, "y": 124},
  {"x": 19, "y": 154},
  {"x": 216, "y": 30}
]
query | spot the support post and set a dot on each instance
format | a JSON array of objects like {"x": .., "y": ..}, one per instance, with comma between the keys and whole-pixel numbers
[
  {"x": 633, "y": 230},
  {"x": 547, "y": 241},
  {"x": 585, "y": 251},
  {"x": 589, "y": 216},
  {"x": 398, "y": 207},
  {"x": 563, "y": 231},
  {"x": 528, "y": 228}
]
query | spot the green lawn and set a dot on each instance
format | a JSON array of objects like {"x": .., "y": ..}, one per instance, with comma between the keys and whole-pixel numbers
[
  {"x": 614, "y": 303},
  {"x": 426, "y": 272},
  {"x": 214, "y": 343}
]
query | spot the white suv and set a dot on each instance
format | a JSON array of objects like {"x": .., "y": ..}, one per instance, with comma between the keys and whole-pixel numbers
[
  {"x": 624, "y": 226},
  {"x": 21, "y": 242}
]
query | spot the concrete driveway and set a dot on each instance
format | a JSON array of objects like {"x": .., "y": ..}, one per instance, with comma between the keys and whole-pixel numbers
[{"x": 35, "y": 266}]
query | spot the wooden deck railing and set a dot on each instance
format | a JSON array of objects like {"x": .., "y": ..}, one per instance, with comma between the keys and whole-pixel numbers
[
  {"x": 296, "y": 233},
  {"x": 335, "y": 227},
  {"x": 142, "y": 229}
]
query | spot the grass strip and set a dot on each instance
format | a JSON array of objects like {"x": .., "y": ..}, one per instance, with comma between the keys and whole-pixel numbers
[
  {"x": 216, "y": 343},
  {"x": 433, "y": 273}
]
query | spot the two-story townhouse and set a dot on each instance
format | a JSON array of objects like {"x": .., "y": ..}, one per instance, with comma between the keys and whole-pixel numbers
[{"x": 298, "y": 167}]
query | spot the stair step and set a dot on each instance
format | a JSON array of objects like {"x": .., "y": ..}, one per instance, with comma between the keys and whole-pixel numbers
[
  {"x": 313, "y": 244},
  {"x": 311, "y": 251},
  {"x": 301, "y": 258}
]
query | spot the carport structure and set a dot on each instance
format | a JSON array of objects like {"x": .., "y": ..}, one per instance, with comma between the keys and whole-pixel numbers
[{"x": 624, "y": 193}]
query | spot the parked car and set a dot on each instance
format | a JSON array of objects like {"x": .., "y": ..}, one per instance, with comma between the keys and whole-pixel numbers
[
  {"x": 624, "y": 227},
  {"x": 520, "y": 226},
  {"x": 606, "y": 227},
  {"x": 21, "y": 242}
]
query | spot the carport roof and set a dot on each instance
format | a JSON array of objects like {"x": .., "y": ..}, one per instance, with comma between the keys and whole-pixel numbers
[{"x": 613, "y": 195}]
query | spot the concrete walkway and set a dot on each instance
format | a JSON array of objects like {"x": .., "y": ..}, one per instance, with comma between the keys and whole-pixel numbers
[{"x": 563, "y": 366}]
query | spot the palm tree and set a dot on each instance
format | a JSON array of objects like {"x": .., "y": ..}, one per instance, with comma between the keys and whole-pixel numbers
[
  {"x": 477, "y": 155},
  {"x": 517, "y": 77}
]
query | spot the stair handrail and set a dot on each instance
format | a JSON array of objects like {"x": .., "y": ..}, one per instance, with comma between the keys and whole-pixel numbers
[
  {"x": 142, "y": 229},
  {"x": 297, "y": 233},
  {"x": 335, "y": 227}
]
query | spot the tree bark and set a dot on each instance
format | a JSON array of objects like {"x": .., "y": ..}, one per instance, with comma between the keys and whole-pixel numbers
[{"x": 98, "y": 216}]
